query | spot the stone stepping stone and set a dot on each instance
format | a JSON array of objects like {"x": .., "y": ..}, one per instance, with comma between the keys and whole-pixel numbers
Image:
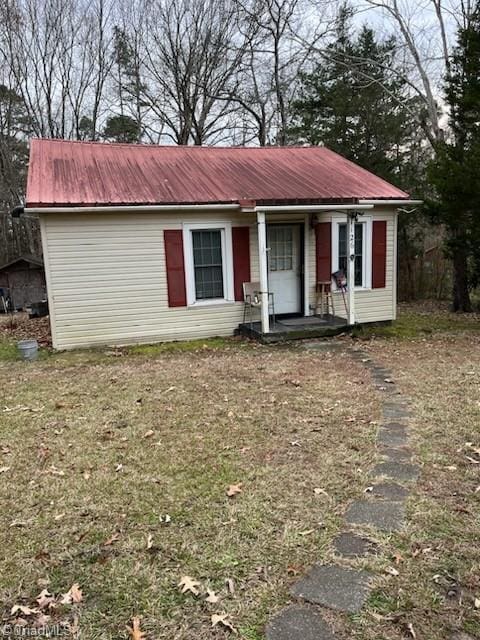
[
  {"x": 401, "y": 471},
  {"x": 298, "y": 622},
  {"x": 395, "y": 426},
  {"x": 389, "y": 491},
  {"x": 392, "y": 437},
  {"x": 349, "y": 545},
  {"x": 396, "y": 413},
  {"x": 400, "y": 454},
  {"x": 334, "y": 587},
  {"x": 382, "y": 515}
]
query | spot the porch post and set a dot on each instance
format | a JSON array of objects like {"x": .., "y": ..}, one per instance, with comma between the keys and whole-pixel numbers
[
  {"x": 351, "y": 266},
  {"x": 262, "y": 258}
]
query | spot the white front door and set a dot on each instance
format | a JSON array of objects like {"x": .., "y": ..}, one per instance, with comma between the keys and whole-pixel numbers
[{"x": 284, "y": 267}]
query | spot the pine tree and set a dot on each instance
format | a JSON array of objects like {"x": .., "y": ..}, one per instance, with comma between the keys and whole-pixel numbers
[
  {"x": 455, "y": 172},
  {"x": 352, "y": 102}
]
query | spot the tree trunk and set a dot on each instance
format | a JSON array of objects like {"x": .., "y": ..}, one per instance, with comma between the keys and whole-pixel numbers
[{"x": 461, "y": 294}]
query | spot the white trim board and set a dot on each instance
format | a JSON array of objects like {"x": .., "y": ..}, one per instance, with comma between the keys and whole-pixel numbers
[
  {"x": 225, "y": 227},
  {"x": 366, "y": 221}
]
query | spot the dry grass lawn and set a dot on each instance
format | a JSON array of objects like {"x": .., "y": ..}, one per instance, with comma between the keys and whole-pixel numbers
[
  {"x": 437, "y": 590},
  {"x": 97, "y": 448}
]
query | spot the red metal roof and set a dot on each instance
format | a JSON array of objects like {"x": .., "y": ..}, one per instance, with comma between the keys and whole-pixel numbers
[{"x": 66, "y": 173}]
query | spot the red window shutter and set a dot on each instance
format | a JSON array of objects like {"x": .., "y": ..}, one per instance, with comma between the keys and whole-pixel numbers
[
  {"x": 177, "y": 295},
  {"x": 323, "y": 237},
  {"x": 379, "y": 254},
  {"x": 241, "y": 259}
]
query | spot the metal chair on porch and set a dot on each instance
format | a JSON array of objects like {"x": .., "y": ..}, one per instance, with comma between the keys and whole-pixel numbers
[{"x": 253, "y": 300}]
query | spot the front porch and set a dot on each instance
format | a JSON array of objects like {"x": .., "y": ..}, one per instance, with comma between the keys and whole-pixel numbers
[
  {"x": 289, "y": 280},
  {"x": 297, "y": 328}
]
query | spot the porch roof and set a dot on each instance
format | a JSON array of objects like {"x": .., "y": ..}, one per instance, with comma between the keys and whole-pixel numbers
[{"x": 87, "y": 174}]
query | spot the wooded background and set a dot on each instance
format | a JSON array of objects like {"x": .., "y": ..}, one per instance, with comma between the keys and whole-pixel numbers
[{"x": 365, "y": 78}]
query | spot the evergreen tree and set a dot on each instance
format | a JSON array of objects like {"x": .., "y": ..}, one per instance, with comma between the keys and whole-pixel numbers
[
  {"x": 129, "y": 85},
  {"x": 352, "y": 102},
  {"x": 455, "y": 172},
  {"x": 121, "y": 129}
]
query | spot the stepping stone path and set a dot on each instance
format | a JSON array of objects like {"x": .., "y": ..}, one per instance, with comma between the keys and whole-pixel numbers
[
  {"x": 392, "y": 437},
  {"x": 395, "y": 455},
  {"x": 389, "y": 491},
  {"x": 298, "y": 622},
  {"x": 402, "y": 471},
  {"x": 384, "y": 515},
  {"x": 335, "y": 586},
  {"x": 349, "y": 545}
]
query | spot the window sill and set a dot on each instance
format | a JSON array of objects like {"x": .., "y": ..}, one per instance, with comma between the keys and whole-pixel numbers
[{"x": 214, "y": 302}]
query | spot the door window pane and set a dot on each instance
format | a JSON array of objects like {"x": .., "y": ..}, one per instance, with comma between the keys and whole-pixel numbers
[
  {"x": 208, "y": 265},
  {"x": 281, "y": 248},
  {"x": 343, "y": 251}
]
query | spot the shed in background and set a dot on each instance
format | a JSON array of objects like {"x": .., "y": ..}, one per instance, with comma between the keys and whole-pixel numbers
[{"x": 23, "y": 281}]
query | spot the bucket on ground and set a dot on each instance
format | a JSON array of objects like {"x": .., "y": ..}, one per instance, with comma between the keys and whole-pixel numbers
[{"x": 28, "y": 349}]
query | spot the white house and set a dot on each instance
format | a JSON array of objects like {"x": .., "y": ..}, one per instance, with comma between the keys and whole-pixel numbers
[{"x": 149, "y": 243}]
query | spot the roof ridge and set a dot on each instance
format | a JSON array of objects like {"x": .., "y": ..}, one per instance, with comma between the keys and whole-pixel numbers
[{"x": 151, "y": 145}]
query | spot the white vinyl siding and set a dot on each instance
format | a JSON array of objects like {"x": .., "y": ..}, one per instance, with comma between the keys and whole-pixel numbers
[
  {"x": 107, "y": 281},
  {"x": 371, "y": 305}
]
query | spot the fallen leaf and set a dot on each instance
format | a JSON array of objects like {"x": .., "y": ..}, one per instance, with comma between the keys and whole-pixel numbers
[
  {"x": 111, "y": 540},
  {"x": 135, "y": 632},
  {"x": 189, "y": 584},
  {"x": 392, "y": 571},
  {"x": 223, "y": 620},
  {"x": 45, "y": 599},
  {"x": 73, "y": 596},
  {"x": 230, "y": 586},
  {"x": 212, "y": 597},
  {"x": 42, "y": 620},
  {"x": 56, "y": 472},
  {"x": 22, "y": 609},
  {"x": 472, "y": 460},
  {"x": 318, "y": 491},
  {"x": 477, "y": 603},
  {"x": 76, "y": 593},
  {"x": 234, "y": 489},
  {"x": 59, "y": 516},
  {"x": 4, "y": 469},
  {"x": 149, "y": 541},
  {"x": 20, "y": 622},
  {"x": 306, "y": 533},
  {"x": 411, "y": 630},
  {"x": 293, "y": 570},
  {"x": 86, "y": 475},
  {"x": 119, "y": 467},
  {"x": 398, "y": 558},
  {"x": 149, "y": 433}
]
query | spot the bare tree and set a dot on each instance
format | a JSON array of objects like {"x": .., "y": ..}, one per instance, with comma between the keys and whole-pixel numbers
[
  {"x": 280, "y": 43},
  {"x": 192, "y": 50},
  {"x": 424, "y": 29},
  {"x": 57, "y": 52}
]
